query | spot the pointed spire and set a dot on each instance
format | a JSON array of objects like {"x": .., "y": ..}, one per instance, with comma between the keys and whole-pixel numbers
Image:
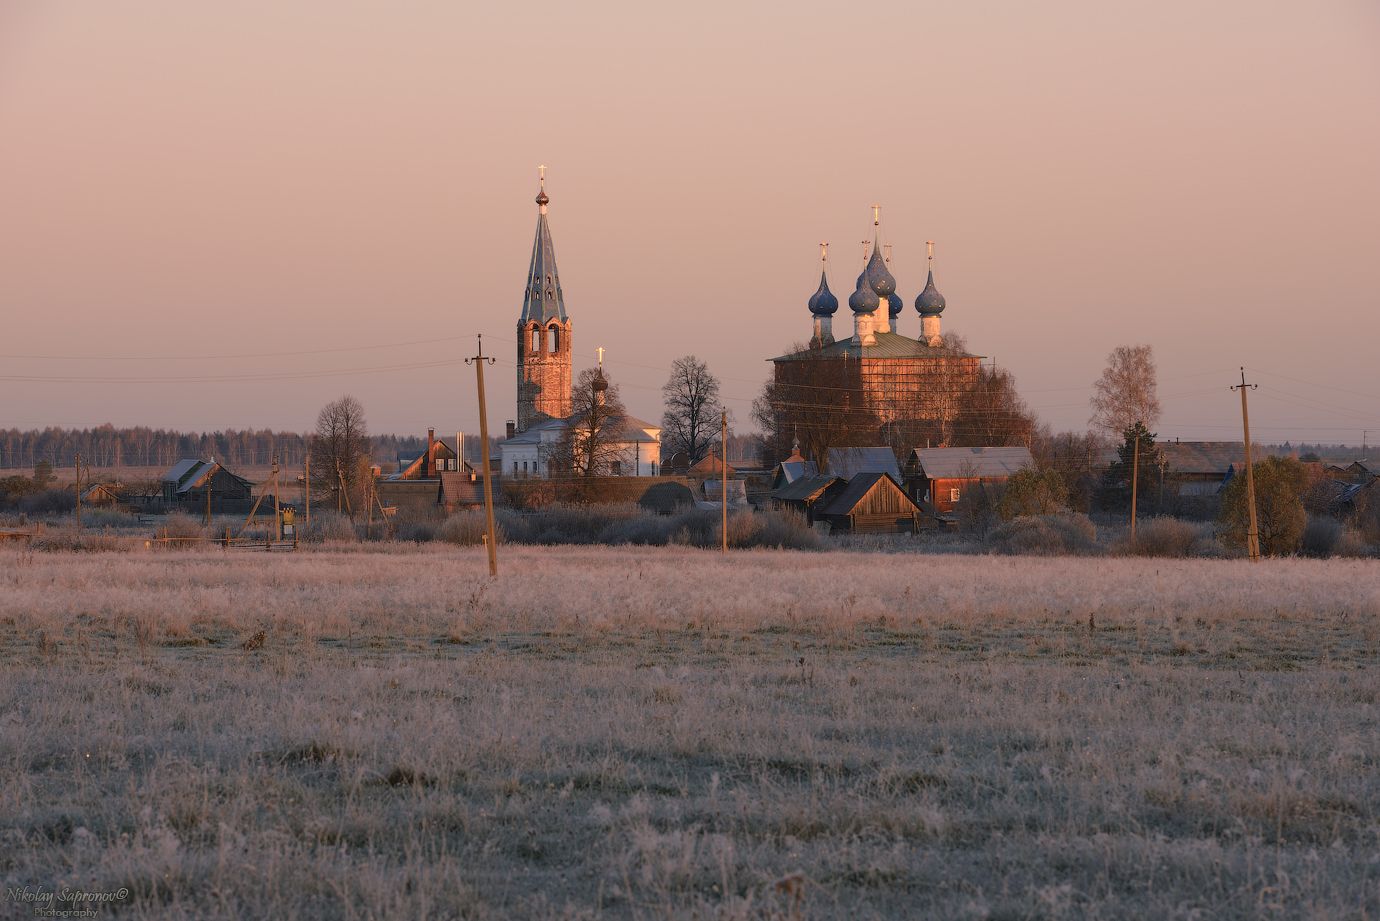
[{"x": 543, "y": 301}]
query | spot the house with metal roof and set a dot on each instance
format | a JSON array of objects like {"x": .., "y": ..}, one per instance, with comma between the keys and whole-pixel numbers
[
  {"x": 940, "y": 476},
  {"x": 804, "y": 493},
  {"x": 188, "y": 482}
]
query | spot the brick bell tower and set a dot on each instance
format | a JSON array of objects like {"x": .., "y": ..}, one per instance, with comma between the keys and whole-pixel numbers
[{"x": 543, "y": 354}]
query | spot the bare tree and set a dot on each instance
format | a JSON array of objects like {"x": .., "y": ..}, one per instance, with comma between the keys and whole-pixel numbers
[
  {"x": 990, "y": 413},
  {"x": 691, "y": 420},
  {"x": 340, "y": 452},
  {"x": 817, "y": 401},
  {"x": 593, "y": 442},
  {"x": 1125, "y": 393}
]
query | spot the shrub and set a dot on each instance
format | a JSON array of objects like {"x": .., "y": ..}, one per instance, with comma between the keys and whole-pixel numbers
[
  {"x": 1046, "y": 535},
  {"x": 1320, "y": 535},
  {"x": 329, "y": 527},
  {"x": 1351, "y": 543},
  {"x": 1033, "y": 492},
  {"x": 1366, "y": 518},
  {"x": 108, "y": 518},
  {"x": 466, "y": 529},
  {"x": 180, "y": 527},
  {"x": 48, "y": 502},
  {"x": 419, "y": 532},
  {"x": 1171, "y": 537},
  {"x": 1279, "y": 487},
  {"x": 977, "y": 508},
  {"x": 787, "y": 530}
]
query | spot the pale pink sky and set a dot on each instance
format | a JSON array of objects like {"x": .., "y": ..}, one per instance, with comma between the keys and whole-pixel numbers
[{"x": 198, "y": 179}]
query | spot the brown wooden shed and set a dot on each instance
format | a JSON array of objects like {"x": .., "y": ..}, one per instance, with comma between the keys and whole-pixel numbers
[{"x": 874, "y": 503}]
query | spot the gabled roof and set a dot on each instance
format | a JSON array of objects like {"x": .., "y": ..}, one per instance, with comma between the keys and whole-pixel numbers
[
  {"x": 889, "y": 345},
  {"x": 1204, "y": 457},
  {"x": 792, "y": 470},
  {"x": 958, "y": 463},
  {"x": 848, "y": 462},
  {"x": 181, "y": 470},
  {"x": 806, "y": 489},
  {"x": 632, "y": 430},
  {"x": 843, "y": 502},
  {"x": 190, "y": 474},
  {"x": 710, "y": 464}
]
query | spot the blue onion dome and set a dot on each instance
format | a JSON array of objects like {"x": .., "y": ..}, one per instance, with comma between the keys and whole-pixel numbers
[
  {"x": 894, "y": 305},
  {"x": 822, "y": 302},
  {"x": 930, "y": 303},
  {"x": 864, "y": 299},
  {"x": 877, "y": 275}
]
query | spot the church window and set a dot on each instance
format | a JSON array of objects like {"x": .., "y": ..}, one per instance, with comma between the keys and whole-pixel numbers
[
  {"x": 555, "y": 339},
  {"x": 953, "y": 495},
  {"x": 617, "y": 468},
  {"x": 536, "y": 339}
]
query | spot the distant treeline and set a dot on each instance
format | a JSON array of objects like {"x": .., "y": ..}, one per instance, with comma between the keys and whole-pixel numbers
[{"x": 106, "y": 446}]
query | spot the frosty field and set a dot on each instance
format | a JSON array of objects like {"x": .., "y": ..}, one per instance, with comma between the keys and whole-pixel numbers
[{"x": 648, "y": 733}]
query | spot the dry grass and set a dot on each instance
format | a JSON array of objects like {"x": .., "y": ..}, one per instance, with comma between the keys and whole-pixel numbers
[{"x": 665, "y": 732}]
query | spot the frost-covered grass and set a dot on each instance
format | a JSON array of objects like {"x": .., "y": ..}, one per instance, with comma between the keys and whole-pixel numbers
[{"x": 652, "y": 732}]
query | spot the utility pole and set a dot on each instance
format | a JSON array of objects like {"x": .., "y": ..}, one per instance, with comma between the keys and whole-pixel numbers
[
  {"x": 1253, "y": 534},
  {"x": 210, "y": 478},
  {"x": 491, "y": 539},
  {"x": 723, "y": 456},
  {"x": 306, "y": 482},
  {"x": 79, "y": 490},
  {"x": 1135, "y": 480},
  {"x": 277, "y": 511}
]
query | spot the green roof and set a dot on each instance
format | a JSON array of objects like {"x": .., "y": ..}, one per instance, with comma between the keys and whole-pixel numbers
[{"x": 889, "y": 345}]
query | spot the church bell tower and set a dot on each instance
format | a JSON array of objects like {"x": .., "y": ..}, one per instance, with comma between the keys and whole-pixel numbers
[{"x": 543, "y": 353}]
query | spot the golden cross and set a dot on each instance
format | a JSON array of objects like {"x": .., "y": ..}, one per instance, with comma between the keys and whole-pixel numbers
[
  {"x": 876, "y": 215},
  {"x": 824, "y": 252},
  {"x": 886, "y": 248},
  {"x": 930, "y": 245},
  {"x": 864, "y": 243},
  {"x": 541, "y": 172},
  {"x": 600, "y": 350}
]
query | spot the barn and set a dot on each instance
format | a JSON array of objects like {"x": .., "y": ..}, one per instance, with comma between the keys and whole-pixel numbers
[
  {"x": 873, "y": 503},
  {"x": 188, "y": 481}
]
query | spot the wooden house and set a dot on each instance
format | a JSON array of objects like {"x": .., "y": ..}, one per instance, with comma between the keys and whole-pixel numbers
[
  {"x": 873, "y": 503},
  {"x": 940, "y": 476},
  {"x": 429, "y": 464},
  {"x": 187, "y": 482},
  {"x": 804, "y": 493}
]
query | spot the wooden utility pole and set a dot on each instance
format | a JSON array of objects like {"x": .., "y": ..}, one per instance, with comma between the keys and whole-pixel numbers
[
  {"x": 210, "y": 478},
  {"x": 723, "y": 457},
  {"x": 1253, "y": 534},
  {"x": 1135, "y": 480},
  {"x": 277, "y": 511},
  {"x": 78, "y": 490},
  {"x": 491, "y": 538},
  {"x": 306, "y": 482}
]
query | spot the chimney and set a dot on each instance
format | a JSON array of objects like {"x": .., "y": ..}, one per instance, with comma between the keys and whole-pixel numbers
[
  {"x": 429, "y": 464},
  {"x": 512, "y": 428},
  {"x": 459, "y": 450}
]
